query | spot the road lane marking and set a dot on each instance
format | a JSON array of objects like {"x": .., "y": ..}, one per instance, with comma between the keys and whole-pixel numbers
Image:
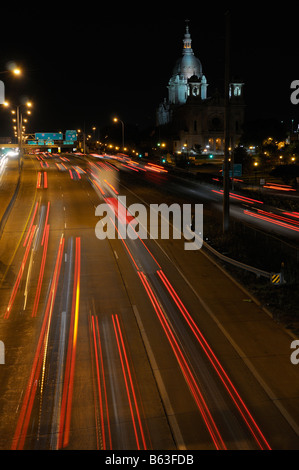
[
  {"x": 41, "y": 273},
  {"x": 27, "y": 279},
  {"x": 275, "y": 400},
  {"x": 101, "y": 384},
  {"x": 20, "y": 434},
  {"x": 66, "y": 404},
  {"x": 161, "y": 387},
  {"x": 20, "y": 274},
  {"x": 131, "y": 393},
  {"x": 31, "y": 223},
  {"x": 59, "y": 383},
  {"x": 20, "y": 239}
]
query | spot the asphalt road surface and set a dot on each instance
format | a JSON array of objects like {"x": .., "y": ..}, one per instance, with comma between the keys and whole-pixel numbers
[{"x": 127, "y": 343}]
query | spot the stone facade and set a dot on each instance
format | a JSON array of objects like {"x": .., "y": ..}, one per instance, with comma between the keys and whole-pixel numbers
[{"x": 190, "y": 121}]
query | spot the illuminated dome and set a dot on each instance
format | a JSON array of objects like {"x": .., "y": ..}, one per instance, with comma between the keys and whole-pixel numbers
[
  {"x": 185, "y": 68},
  {"x": 187, "y": 65}
]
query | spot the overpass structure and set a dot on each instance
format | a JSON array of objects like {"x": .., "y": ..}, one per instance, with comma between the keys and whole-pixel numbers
[
  {"x": 47, "y": 141},
  {"x": 8, "y": 146},
  {"x": 50, "y": 140}
]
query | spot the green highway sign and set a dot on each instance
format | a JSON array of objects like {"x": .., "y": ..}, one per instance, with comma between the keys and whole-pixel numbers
[
  {"x": 70, "y": 135},
  {"x": 237, "y": 170},
  {"x": 49, "y": 135}
]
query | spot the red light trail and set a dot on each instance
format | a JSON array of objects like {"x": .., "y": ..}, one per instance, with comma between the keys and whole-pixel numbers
[
  {"x": 129, "y": 384},
  {"x": 185, "y": 368},
  {"x": 27, "y": 405},
  {"x": 240, "y": 198},
  {"x": 66, "y": 405},
  {"x": 101, "y": 384},
  {"x": 20, "y": 274},
  {"x": 246, "y": 415},
  {"x": 271, "y": 220}
]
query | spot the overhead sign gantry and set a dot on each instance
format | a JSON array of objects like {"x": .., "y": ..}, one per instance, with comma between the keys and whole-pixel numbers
[{"x": 53, "y": 139}]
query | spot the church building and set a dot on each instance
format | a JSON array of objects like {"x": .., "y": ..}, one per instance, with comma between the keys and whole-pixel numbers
[{"x": 191, "y": 121}]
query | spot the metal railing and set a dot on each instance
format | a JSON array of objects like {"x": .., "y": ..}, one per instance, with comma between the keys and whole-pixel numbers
[
  {"x": 238, "y": 264},
  {"x": 258, "y": 272}
]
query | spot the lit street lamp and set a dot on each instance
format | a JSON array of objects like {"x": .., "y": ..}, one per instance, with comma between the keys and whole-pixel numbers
[
  {"x": 15, "y": 71},
  {"x": 19, "y": 118},
  {"x": 123, "y": 130},
  {"x": 84, "y": 139}
]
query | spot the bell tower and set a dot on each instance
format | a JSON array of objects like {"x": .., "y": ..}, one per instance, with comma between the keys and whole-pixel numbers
[
  {"x": 197, "y": 87},
  {"x": 236, "y": 91}
]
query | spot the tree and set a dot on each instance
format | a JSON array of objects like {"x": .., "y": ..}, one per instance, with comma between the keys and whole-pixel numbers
[
  {"x": 287, "y": 173},
  {"x": 241, "y": 156},
  {"x": 255, "y": 132}
]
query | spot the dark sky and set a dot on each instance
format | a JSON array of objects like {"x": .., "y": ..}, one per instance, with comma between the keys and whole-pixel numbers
[{"x": 84, "y": 63}]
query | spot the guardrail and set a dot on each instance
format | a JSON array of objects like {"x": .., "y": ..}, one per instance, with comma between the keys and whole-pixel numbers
[
  {"x": 11, "y": 202},
  {"x": 275, "y": 278},
  {"x": 238, "y": 264}
]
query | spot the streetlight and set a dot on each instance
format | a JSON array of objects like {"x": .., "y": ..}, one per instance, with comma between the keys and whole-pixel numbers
[
  {"x": 255, "y": 164},
  {"x": 123, "y": 130},
  {"x": 84, "y": 139},
  {"x": 15, "y": 71},
  {"x": 19, "y": 118}
]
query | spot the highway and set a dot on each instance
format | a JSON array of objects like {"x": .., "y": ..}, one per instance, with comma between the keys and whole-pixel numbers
[
  {"x": 249, "y": 209},
  {"x": 128, "y": 344}
]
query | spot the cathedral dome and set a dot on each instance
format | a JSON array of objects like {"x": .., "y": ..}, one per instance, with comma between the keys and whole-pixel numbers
[{"x": 187, "y": 66}]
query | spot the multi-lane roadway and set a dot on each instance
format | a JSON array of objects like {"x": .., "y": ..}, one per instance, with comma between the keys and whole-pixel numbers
[{"x": 127, "y": 343}]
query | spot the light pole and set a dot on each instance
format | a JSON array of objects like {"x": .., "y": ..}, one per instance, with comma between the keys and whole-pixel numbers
[
  {"x": 12, "y": 70},
  {"x": 19, "y": 120},
  {"x": 123, "y": 130},
  {"x": 226, "y": 129},
  {"x": 83, "y": 138}
]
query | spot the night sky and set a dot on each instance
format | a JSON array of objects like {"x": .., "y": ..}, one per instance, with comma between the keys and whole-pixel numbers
[{"x": 84, "y": 64}]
